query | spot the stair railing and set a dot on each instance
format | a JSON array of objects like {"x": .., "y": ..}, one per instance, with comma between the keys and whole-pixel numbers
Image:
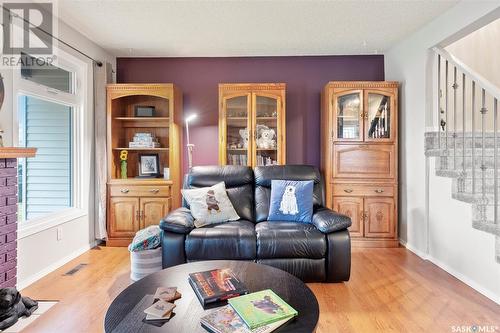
[{"x": 465, "y": 112}]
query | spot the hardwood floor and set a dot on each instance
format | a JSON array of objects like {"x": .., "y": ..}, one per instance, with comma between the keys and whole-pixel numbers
[{"x": 391, "y": 290}]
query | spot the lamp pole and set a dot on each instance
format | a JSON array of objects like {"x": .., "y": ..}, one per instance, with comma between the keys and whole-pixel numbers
[{"x": 189, "y": 145}]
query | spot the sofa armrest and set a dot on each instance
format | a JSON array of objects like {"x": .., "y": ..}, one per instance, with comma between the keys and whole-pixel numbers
[
  {"x": 327, "y": 221},
  {"x": 179, "y": 221}
]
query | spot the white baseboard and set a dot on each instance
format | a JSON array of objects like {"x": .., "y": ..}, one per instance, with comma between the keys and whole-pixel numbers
[
  {"x": 37, "y": 276},
  {"x": 474, "y": 285}
]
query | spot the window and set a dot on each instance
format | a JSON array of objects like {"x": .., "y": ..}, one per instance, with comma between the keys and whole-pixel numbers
[
  {"x": 45, "y": 185},
  {"x": 48, "y": 109}
]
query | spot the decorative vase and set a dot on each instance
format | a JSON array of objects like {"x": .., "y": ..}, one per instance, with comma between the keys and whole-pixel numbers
[{"x": 123, "y": 171}]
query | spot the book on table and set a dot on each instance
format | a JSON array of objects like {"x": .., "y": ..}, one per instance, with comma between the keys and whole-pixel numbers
[
  {"x": 226, "y": 320},
  {"x": 216, "y": 286},
  {"x": 262, "y": 308}
]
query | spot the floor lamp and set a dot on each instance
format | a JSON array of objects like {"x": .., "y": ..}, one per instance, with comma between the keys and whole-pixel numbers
[{"x": 189, "y": 145}]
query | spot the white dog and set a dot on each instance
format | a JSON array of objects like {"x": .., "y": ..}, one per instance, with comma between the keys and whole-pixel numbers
[{"x": 288, "y": 203}]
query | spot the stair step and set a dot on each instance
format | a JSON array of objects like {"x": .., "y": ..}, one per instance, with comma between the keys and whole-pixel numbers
[
  {"x": 451, "y": 162},
  {"x": 456, "y": 173},
  {"x": 487, "y": 226},
  {"x": 490, "y": 152}
]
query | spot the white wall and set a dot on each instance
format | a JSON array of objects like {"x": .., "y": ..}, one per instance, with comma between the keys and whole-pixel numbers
[
  {"x": 408, "y": 62},
  {"x": 41, "y": 252},
  {"x": 454, "y": 245},
  {"x": 480, "y": 51}
]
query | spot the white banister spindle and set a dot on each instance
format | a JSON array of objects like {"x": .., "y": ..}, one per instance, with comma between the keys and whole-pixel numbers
[
  {"x": 439, "y": 100},
  {"x": 473, "y": 133},
  {"x": 446, "y": 108},
  {"x": 483, "y": 146},
  {"x": 455, "y": 87},
  {"x": 463, "y": 127},
  {"x": 495, "y": 157}
]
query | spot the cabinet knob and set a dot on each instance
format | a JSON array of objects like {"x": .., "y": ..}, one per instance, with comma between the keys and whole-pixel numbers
[
  {"x": 154, "y": 190},
  {"x": 124, "y": 190},
  {"x": 348, "y": 190},
  {"x": 137, "y": 215},
  {"x": 379, "y": 190}
]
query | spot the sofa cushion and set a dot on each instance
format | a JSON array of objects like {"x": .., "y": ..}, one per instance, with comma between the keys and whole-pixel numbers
[
  {"x": 265, "y": 174},
  {"x": 230, "y": 240},
  {"x": 239, "y": 181},
  {"x": 281, "y": 239},
  {"x": 310, "y": 270}
]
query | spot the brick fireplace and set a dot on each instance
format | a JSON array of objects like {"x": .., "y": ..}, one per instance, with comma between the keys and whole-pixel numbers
[{"x": 8, "y": 213}]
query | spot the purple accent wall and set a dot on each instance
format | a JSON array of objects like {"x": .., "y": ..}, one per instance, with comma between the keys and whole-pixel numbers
[{"x": 305, "y": 77}]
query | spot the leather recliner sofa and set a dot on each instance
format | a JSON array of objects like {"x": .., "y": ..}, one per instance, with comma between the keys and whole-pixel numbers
[{"x": 319, "y": 251}]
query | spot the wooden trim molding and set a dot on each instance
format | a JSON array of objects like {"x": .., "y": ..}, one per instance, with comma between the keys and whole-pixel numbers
[
  {"x": 363, "y": 84},
  {"x": 251, "y": 86},
  {"x": 16, "y": 152}
]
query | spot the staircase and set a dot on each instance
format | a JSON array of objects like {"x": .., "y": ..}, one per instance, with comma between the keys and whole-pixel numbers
[{"x": 466, "y": 140}]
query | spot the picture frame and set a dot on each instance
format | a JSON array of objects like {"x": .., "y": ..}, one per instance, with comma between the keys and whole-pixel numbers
[
  {"x": 149, "y": 165},
  {"x": 144, "y": 111}
]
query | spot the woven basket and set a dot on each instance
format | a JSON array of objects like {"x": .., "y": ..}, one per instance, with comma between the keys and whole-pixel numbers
[{"x": 143, "y": 263}]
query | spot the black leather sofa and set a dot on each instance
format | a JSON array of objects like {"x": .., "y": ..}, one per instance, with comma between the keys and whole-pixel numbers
[{"x": 320, "y": 251}]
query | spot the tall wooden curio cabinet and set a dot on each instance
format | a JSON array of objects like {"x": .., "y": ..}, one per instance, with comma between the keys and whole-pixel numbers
[
  {"x": 144, "y": 120},
  {"x": 360, "y": 158},
  {"x": 252, "y": 124}
]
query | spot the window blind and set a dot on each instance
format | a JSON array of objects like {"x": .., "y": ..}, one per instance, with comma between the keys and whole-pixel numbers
[{"x": 47, "y": 126}]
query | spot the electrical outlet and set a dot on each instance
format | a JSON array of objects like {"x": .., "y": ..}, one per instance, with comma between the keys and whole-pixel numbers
[{"x": 59, "y": 233}]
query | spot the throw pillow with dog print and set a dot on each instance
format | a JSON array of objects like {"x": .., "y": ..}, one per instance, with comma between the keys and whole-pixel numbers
[{"x": 210, "y": 205}]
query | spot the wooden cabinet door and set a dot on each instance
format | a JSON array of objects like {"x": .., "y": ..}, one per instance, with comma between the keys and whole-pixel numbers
[
  {"x": 153, "y": 210},
  {"x": 379, "y": 221},
  {"x": 348, "y": 115},
  {"x": 352, "y": 207},
  {"x": 235, "y": 130},
  {"x": 364, "y": 161},
  {"x": 267, "y": 120},
  {"x": 380, "y": 115},
  {"x": 123, "y": 217}
]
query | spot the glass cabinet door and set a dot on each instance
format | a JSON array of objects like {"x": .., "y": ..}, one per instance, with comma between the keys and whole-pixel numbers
[
  {"x": 348, "y": 116},
  {"x": 266, "y": 133},
  {"x": 238, "y": 130},
  {"x": 378, "y": 116}
]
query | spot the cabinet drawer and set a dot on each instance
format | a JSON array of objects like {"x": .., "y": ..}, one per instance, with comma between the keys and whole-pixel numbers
[
  {"x": 363, "y": 190},
  {"x": 139, "y": 191}
]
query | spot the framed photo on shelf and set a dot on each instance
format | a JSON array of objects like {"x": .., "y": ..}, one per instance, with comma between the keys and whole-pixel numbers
[
  {"x": 144, "y": 111},
  {"x": 149, "y": 165}
]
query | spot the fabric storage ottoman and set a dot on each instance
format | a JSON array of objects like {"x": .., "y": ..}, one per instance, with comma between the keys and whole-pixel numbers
[{"x": 145, "y": 262}]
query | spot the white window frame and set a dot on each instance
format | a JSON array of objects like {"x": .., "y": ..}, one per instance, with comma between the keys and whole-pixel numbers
[{"x": 78, "y": 100}]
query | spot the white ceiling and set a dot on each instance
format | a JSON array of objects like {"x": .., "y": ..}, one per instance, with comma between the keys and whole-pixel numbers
[{"x": 247, "y": 28}]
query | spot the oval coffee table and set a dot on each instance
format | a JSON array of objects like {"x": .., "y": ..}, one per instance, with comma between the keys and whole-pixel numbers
[{"x": 188, "y": 309}]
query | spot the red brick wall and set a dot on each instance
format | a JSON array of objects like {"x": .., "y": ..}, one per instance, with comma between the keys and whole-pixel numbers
[{"x": 8, "y": 222}]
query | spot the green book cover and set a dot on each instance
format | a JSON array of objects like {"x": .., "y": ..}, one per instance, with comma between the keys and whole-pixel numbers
[{"x": 261, "y": 308}]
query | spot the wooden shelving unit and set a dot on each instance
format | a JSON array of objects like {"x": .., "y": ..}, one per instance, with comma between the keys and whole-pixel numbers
[
  {"x": 251, "y": 107},
  {"x": 359, "y": 158},
  {"x": 135, "y": 203}
]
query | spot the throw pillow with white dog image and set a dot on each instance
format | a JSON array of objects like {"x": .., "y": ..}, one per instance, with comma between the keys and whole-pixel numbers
[
  {"x": 291, "y": 200},
  {"x": 288, "y": 203}
]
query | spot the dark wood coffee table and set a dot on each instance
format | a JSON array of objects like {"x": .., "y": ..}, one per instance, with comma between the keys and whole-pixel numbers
[{"x": 188, "y": 309}]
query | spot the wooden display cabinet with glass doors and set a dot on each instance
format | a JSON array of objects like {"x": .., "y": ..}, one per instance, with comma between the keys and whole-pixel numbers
[
  {"x": 359, "y": 157},
  {"x": 252, "y": 124},
  {"x": 136, "y": 202}
]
